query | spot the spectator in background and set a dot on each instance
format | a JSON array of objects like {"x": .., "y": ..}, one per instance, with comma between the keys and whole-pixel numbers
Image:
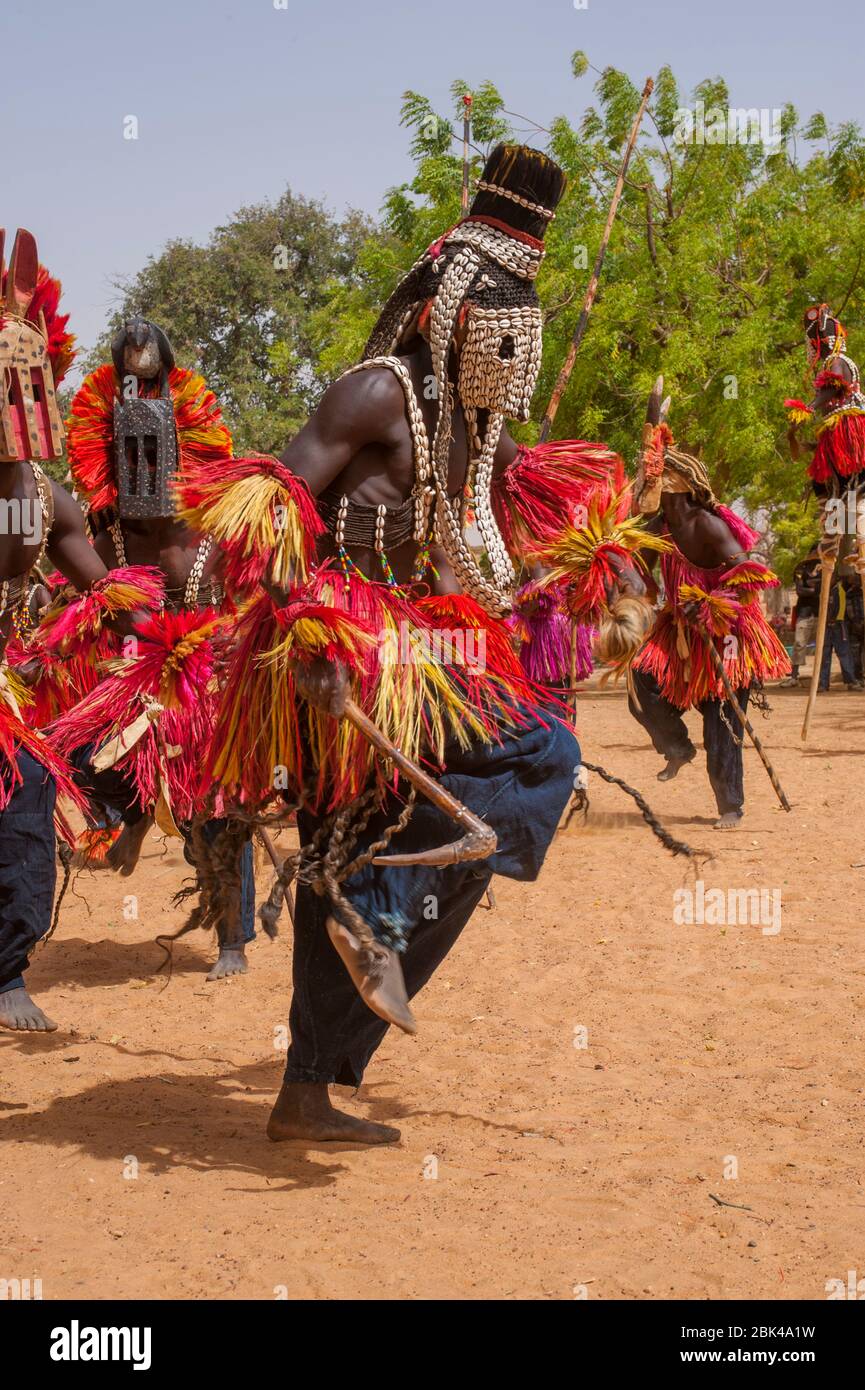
[
  {"x": 855, "y": 618},
  {"x": 806, "y": 578},
  {"x": 837, "y": 639}
]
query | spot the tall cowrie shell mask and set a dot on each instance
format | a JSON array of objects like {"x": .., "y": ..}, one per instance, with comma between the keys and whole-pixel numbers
[{"x": 500, "y": 359}]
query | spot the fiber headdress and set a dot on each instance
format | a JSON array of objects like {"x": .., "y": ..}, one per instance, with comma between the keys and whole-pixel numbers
[
  {"x": 663, "y": 467},
  {"x": 474, "y": 288},
  {"x": 138, "y": 423},
  {"x": 838, "y": 408}
]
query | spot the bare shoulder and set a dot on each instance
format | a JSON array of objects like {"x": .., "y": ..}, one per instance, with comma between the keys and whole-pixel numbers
[
  {"x": 372, "y": 394},
  {"x": 506, "y": 452},
  {"x": 841, "y": 367}
]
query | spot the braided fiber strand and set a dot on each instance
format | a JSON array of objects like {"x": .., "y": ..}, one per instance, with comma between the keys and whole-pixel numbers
[{"x": 657, "y": 828}]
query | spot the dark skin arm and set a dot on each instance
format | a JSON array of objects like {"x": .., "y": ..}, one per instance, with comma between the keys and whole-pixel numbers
[{"x": 71, "y": 552}]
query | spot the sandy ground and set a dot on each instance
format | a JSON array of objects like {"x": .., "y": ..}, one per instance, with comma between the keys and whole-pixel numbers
[{"x": 720, "y": 1061}]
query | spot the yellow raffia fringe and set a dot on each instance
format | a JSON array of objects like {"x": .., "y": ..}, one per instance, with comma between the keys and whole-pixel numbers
[
  {"x": 723, "y": 611},
  {"x": 413, "y": 702},
  {"x": 248, "y": 508},
  {"x": 830, "y": 421},
  {"x": 121, "y": 597},
  {"x": 13, "y": 691},
  {"x": 573, "y": 553}
]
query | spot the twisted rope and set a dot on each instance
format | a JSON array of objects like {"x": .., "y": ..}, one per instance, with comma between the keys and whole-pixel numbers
[{"x": 657, "y": 828}]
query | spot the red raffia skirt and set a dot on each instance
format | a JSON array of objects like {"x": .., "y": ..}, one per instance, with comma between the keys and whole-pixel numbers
[
  {"x": 424, "y": 669},
  {"x": 688, "y": 681},
  {"x": 16, "y": 735},
  {"x": 840, "y": 448},
  {"x": 153, "y": 716}
]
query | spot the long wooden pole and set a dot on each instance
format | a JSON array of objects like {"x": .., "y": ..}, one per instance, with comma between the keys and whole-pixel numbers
[
  {"x": 743, "y": 719},
  {"x": 827, "y": 565},
  {"x": 467, "y": 132},
  {"x": 568, "y": 364}
]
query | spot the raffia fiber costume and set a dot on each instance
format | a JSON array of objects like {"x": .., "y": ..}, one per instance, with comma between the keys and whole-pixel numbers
[
  {"x": 483, "y": 725},
  {"x": 139, "y": 734},
  {"x": 35, "y": 351},
  {"x": 837, "y": 466},
  {"x": 673, "y": 671}
]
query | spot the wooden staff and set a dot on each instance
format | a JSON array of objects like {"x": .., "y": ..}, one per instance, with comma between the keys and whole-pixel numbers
[
  {"x": 277, "y": 864},
  {"x": 741, "y": 715},
  {"x": 467, "y": 131},
  {"x": 827, "y": 566},
  {"x": 568, "y": 365},
  {"x": 479, "y": 840}
]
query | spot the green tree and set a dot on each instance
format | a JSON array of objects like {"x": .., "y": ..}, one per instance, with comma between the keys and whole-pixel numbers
[
  {"x": 717, "y": 249},
  {"x": 239, "y": 309}
]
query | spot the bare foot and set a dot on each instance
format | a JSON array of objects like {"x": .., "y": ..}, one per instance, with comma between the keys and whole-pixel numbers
[
  {"x": 729, "y": 821},
  {"x": 675, "y": 765},
  {"x": 303, "y": 1111},
  {"x": 17, "y": 1010},
  {"x": 126, "y": 850},
  {"x": 232, "y": 961},
  {"x": 383, "y": 989}
]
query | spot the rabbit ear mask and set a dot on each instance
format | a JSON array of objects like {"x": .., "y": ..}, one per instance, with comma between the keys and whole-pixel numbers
[{"x": 23, "y": 270}]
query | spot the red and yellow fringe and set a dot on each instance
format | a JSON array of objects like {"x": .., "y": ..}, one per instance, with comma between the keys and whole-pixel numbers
[
  {"x": 263, "y": 516},
  {"x": 202, "y": 436},
  {"x": 15, "y": 735},
  {"x": 676, "y": 653},
  {"x": 539, "y": 493},
  {"x": 167, "y": 693},
  {"x": 268, "y": 739}
]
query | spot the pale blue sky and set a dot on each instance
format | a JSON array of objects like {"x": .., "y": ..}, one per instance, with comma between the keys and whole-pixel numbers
[{"x": 236, "y": 100}]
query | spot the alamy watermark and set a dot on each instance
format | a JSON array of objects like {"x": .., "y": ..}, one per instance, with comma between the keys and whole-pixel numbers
[
  {"x": 21, "y": 517},
  {"x": 408, "y": 646},
  {"x": 731, "y": 907},
  {"x": 730, "y": 125}
]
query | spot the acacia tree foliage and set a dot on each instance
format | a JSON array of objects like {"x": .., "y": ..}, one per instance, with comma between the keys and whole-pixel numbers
[
  {"x": 239, "y": 309},
  {"x": 716, "y": 251}
]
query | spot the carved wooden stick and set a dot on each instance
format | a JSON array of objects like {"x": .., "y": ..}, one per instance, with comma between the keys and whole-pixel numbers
[{"x": 479, "y": 840}]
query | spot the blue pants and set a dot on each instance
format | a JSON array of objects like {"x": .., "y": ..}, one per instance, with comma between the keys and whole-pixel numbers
[
  {"x": 520, "y": 788},
  {"x": 668, "y": 731},
  {"x": 836, "y": 641},
  {"x": 111, "y": 790},
  {"x": 28, "y": 869}
]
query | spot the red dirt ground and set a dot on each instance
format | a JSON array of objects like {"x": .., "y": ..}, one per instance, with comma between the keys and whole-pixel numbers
[{"x": 561, "y": 1171}]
